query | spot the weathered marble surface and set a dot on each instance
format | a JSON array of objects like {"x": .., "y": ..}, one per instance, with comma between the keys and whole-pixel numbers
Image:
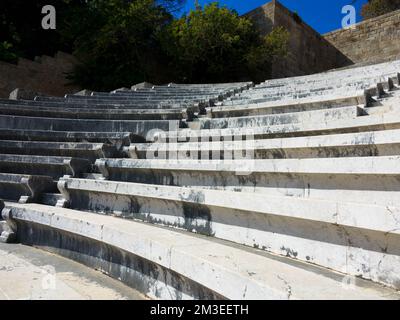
[
  {"x": 215, "y": 267},
  {"x": 89, "y": 151},
  {"x": 379, "y": 121},
  {"x": 370, "y": 143},
  {"x": 321, "y": 185},
  {"x": 116, "y": 139},
  {"x": 43, "y": 165},
  {"x": 27, "y": 273},
  {"x": 305, "y": 228},
  {"x": 55, "y": 124},
  {"x": 278, "y": 119},
  {"x": 24, "y": 188}
]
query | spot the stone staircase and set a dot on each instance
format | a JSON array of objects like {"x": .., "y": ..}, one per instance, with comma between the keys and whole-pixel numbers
[{"x": 284, "y": 190}]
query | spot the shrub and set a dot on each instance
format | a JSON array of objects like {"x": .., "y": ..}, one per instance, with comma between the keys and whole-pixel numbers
[
  {"x": 376, "y": 8},
  {"x": 215, "y": 44}
]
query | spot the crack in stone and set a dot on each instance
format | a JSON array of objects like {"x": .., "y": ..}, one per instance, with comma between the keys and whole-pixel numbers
[{"x": 288, "y": 287}]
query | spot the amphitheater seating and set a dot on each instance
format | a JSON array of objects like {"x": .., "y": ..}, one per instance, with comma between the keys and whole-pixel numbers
[
  {"x": 321, "y": 93},
  {"x": 89, "y": 151},
  {"x": 276, "y": 119},
  {"x": 295, "y": 105},
  {"x": 310, "y": 177},
  {"x": 282, "y": 190},
  {"x": 63, "y": 103},
  {"x": 101, "y": 114},
  {"x": 116, "y": 139},
  {"x": 212, "y": 265},
  {"x": 146, "y": 102},
  {"x": 172, "y": 96},
  {"x": 24, "y": 188},
  {"x": 347, "y": 74},
  {"x": 390, "y": 120},
  {"x": 321, "y": 85},
  {"x": 57, "y": 124},
  {"x": 369, "y": 143},
  {"x": 56, "y": 136},
  {"x": 55, "y": 167}
]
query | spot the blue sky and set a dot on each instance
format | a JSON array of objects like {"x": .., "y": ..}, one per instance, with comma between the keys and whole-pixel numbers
[{"x": 322, "y": 15}]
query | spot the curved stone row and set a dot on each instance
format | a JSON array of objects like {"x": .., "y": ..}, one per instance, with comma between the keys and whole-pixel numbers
[
  {"x": 49, "y": 137},
  {"x": 304, "y": 168},
  {"x": 167, "y": 264},
  {"x": 369, "y": 143}
]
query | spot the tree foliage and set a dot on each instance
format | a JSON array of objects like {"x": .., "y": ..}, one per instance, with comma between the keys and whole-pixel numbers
[
  {"x": 20, "y": 26},
  {"x": 376, "y": 8},
  {"x": 215, "y": 44},
  {"x": 122, "y": 42},
  {"x": 7, "y": 53},
  {"x": 117, "y": 42}
]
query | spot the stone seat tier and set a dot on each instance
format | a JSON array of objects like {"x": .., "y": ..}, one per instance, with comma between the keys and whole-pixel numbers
[
  {"x": 103, "y": 106},
  {"x": 209, "y": 85},
  {"x": 170, "y": 91},
  {"x": 387, "y": 84},
  {"x": 116, "y": 139},
  {"x": 278, "y": 119},
  {"x": 338, "y": 74},
  {"x": 89, "y": 151},
  {"x": 155, "y": 95},
  {"x": 385, "y": 121},
  {"x": 375, "y": 143},
  {"x": 143, "y": 102},
  {"x": 92, "y": 113},
  {"x": 372, "y": 89},
  {"x": 348, "y": 79},
  {"x": 55, "y": 124},
  {"x": 24, "y": 188},
  {"x": 326, "y": 78},
  {"x": 355, "y": 80},
  {"x": 43, "y": 165},
  {"x": 213, "y": 270},
  {"x": 144, "y": 96},
  {"x": 286, "y": 106},
  {"x": 123, "y": 99},
  {"x": 179, "y": 92},
  {"x": 363, "y": 236},
  {"x": 190, "y": 88},
  {"x": 50, "y": 199},
  {"x": 322, "y": 95},
  {"x": 195, "y": 88},
  {"x": 305, "y": 91},
  {"x": 182, "y": 91},
  {"x": 374, "y": 180}
]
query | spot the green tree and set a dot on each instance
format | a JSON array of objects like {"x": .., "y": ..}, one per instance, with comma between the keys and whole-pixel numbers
[
  {"x": 260, "y": 58},
  {"x": 376, "y": 8},
  {"x": 117, "y": 43},
  {"x": 20, "y": 26},
  {"x": 122, "y": 42},
  {"x": 7, "y": 53},
  {"x": 215, "y": 44}
]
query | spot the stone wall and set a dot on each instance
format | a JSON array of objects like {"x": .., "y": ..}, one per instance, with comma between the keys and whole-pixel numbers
[
  {"x": 263, "y": 17},
  {"x": 373, "y": 40},
  {"x": 308, "y": 51},
  {"x": 45, "y": 75}
]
